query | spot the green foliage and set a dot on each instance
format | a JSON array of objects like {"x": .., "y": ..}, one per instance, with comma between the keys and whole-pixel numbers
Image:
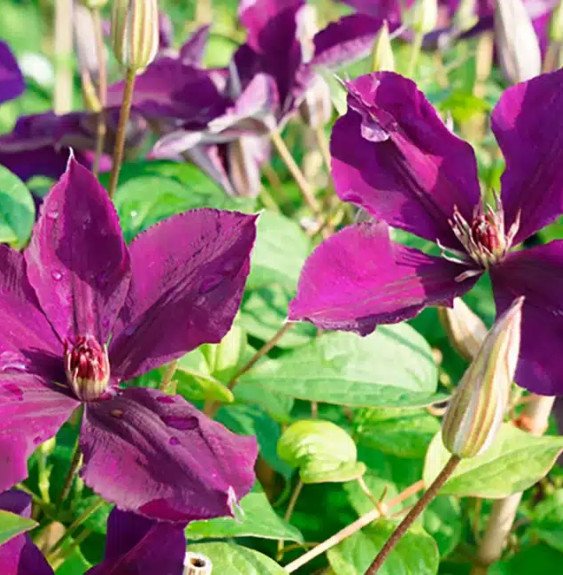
[
  {"x": 12, "y": 525},
  {"x": 17, "y": 210}
]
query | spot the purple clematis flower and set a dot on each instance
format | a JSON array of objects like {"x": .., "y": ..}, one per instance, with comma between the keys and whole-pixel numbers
[
  {"x": 393, "y": 156},
  {"x": 134, "y": 545},
  {"x": 11, "y": 79},
  {"x": 81, "y": 311}
]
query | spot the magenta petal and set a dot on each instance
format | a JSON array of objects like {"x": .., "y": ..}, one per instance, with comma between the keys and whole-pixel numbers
[
  {"x": 139, "y": 546},
  {"x": 158, "y": 456},
  {"x": 27, "y": 340},
  {"x": 77, "y": 260},
  {"x": 11, "y": 79},
  {"x": 189, "y": 273},
  {"x": 30, "y": 413},
  {"x": 537, "y": 274},
  {"x": 394, "y": 156},
  {"x": 19, "y": 556},
  {"x": 358, "y": 279},
  {"x": 527, "y": 125},
  {"x": 193, "y": 50}
]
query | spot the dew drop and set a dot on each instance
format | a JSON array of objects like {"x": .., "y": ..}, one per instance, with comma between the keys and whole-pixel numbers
[
  {"x": 134, "y": 214},
  {"x": 210, "y": 283},
  {"x": 10, "y": 361},
  {"x": 174, "y": 440},
  {"x": 53, "y": 214},
  {"x": 117, "y": 413},
  {"x": 165, "y": 399},
  {"x": 37, "y": 440},
  {"x": 14, "y": 390},
  {"x": 179, "y": 422},
  {"x": 56, "y": 275}
]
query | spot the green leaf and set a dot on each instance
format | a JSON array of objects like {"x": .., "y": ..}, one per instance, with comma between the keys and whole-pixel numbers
[
  {"x": 415, "y": 554},
  {"x": 321, "y": 450},
  {"x": 346, "y": 369},
  {"x": 442, "y": 520},
  {"x": 515, "y": 461},
  {"x": 401, "y": 432},
  {"x": 17, "y": 210},
  {"x": 279, "y": 253},
  {"x": 257, "y": 519},
  {"x": 548, "y": 520},
  {"x": 12, "y": 525},
  {"x": 233, "y": 559},
  {"x": 538, "y": 559}
]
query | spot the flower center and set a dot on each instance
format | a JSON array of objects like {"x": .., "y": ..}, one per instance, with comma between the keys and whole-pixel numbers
[
  {"x": 484, "y": 238},
  {"x": 87, "y": 368}
]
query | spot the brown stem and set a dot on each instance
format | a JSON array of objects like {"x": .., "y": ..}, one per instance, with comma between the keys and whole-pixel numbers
[
  {"x": 413, "y": 514},
  {"x": 102, "y": 89},
  {"x": 122, "y": 130},
  {"x": 304, "y": 187},
  {"x": 354, "y": 527},
  {"x": 534, "y": 419},
  {"x": 289, "y": 513}
]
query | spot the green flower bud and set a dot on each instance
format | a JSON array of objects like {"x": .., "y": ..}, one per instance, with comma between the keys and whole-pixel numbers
[
  {"x": 466, "y": 331},
  {"x": 134, "y": 32},
  {"x": 477, "y": 407},
  {"x": 383, "y": 59},
  {"x": 556, "y": 24},
  {"x": 424, "y": 16},
  {"x": 517, "y": 43}
]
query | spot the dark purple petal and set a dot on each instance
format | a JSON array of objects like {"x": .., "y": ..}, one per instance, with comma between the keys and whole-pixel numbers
[
  {"x": 139, "y": 546},
  {"x": 193, "y": 49},
  {"x": 189, "y": 273},
  {"x": 11, "y": 79},
  {"x": 27, "y": 340},
  {"x": 347, "y": 40},
  {"x": 19, "y": 556},
  {"x": 394, "y": 156},
  {"x": 358, "y": 279},
  {"x": 537, "y": 274},
  {"x": 160, "y": 457},
  {"x": 30, "y": 413},
  {"x": 77, "y": 260},
  {"x": 527, "y": 125}
]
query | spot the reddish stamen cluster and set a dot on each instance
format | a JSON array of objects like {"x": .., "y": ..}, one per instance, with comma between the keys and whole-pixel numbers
[{"x": 87, "y": 368}]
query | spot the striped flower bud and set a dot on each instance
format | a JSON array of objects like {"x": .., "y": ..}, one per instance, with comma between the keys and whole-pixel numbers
[
  {"x": 517, "y": 43},
  {"x": 466, "y": 331},
  {"x": 465, "y": 16},
  {"x": 383, "y": 59},
  {"x": 424, "y": 16},
  {"x": 134, "y": 32},
  {"x": 477, "y": 407}
]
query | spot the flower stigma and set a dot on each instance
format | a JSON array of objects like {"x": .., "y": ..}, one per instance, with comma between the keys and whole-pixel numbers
[{"x": 87, "y": 368}]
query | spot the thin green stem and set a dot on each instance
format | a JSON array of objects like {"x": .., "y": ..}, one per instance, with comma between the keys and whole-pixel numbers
[
  {"x": 413, "y": 514},
  {"x": 74, "y": 466},
  {"x": 166, "y": 383},
  {"x": 416, "y": 48},
  {"x": 122, "y": 130},
  {"x": 102, "y": 88},
  {"x": 288, "y": 513}
]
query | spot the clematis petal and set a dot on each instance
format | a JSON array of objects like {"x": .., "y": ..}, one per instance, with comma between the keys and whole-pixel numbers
[
  {"x": 189, "y": 273},
  {"x": 526, "y": 127},
  {"x": 11, "y": 79},
  {"x": 77, "y": 260},
  {"x": 358, "y": 279},
  {"x": 387, "y": 9},
  {"x": 394, "y": 156},
  {"x": 19, "y": 556},
  {"x": 139, "y": 546},
  {"x": 536, "y": 274},
  {"x": 193, "y": 50},
  {"x": 160, "y": 457},
  {"x": 27, "y": 340},
  {"x": 30, "y": 412}
]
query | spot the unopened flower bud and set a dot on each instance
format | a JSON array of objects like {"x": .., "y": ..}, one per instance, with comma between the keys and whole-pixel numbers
[
  {"x": 465, "y": 16},
  {"x": 383, "y": 59},
  {"x": 197, "y": 564},
  {"x": 517, "y": 43},
  {"x": 134, "y": 32},
  {"x": 424, "y": 16},
  {"x": 93, "y": 4},
  {"x": 556, "y": 24},
  {"x": 466, "y": 331},
  {"x": 87, "y": 368},
  {"x": 477, "y": 407}
]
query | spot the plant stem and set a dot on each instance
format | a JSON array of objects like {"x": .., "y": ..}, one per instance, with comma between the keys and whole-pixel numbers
[
  {"x": 167, "y": 377},
  {"x": 415, "y": 53},
  {"x": 413, "y": 514},
  {"x": 534, "y": 419},
  {"x": 122, "y": 130},
  {"x": 62, "y": 96},
  {"x": 74, "y": 465},
  {"x": 288, "y": 513},
  {"x": 304, "y": 187},
  {"x": 102, "y": 89},
  {"x": 354, "y": 527}
]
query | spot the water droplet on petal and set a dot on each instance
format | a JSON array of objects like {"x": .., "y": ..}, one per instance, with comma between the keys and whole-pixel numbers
[
  {"x": 53, "y": 214},
  {"x": 13, "y": 389},
  {"x": 180, "y": 422},
  {"x": 117, "y": 413},
  {"x": 210, "y": 282},
  {"x": 56, "y": 275},
  {"x": 37, "y": 440},
  {"x": 174, "y": 440},
  {"x": 11, "y": 361},
  {"x": 165, "y": 399}
]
